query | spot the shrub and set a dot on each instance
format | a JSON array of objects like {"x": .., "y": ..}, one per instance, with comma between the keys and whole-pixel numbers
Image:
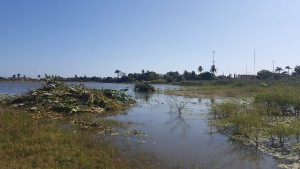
[{"x": 144, "y": 87}]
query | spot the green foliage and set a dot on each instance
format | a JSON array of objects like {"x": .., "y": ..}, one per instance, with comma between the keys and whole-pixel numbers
[
  {"x": 213, "y": 69},
  {"x": 297, "y": 70},
  {"x": 239, "y": 118},
  {"x": 225, "y": 109},
  {"x": 264, "y": 74},
  {"x": 58, "y": 97},
  {"x": 207, "y": 76},
  {"x": 280, "y": 102},
  {"x": 200, "y": 69},
  {"x": 43, "y": 143},
  {"x": 144, "y": 87},
  {"x": 279, "y": 130},
  {"x": 248, "y": 124},
  {"x": 295, "y": 129}
]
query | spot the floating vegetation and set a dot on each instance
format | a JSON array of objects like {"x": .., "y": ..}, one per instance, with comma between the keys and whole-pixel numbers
[
  {"x": 54, "y": 96},
  {"x": 144, "y": 87}
]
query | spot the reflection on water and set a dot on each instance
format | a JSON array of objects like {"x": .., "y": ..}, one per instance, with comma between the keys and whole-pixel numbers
[
  {"x": 186, "y": 139},
  {"x": 142, "y": 97},
  {"x": 183, "y": 139},
  {"x": 177, "y": 123}
]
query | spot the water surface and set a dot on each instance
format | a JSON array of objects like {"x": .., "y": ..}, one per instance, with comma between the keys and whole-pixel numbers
[
  {"x": 183, "y": 140},
  {"x": 186, "y": 139}
]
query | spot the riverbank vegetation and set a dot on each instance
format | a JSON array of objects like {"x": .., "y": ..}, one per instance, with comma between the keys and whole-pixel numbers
[
  {"x": 234, "y": 88},
  {"x": 28, "y": 142},
  {"x": 53, "y": 127},
  {"x": 270, "y": 121}
]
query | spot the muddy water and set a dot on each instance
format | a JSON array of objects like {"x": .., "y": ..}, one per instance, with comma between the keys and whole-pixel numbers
[{"x": 185, "y": 139}]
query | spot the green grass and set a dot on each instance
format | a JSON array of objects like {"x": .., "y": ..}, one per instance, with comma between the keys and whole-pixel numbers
[
  {"x": 233, "y": 88},
  {"x": 30, "y": 143}
]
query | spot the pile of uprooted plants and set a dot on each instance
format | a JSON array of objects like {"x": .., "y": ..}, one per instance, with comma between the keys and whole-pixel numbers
[{"x": 55, "y": 96}]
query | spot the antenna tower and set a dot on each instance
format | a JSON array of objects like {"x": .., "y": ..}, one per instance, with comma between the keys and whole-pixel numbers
[
  {"x": 254, "y": 63},
  {"x": 213, "y": 57}
]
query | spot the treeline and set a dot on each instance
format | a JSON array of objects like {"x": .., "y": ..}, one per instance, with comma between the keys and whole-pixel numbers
[
  {"x": 175, "y": 76},
  {"x": 152, "y": 76},
  {"x": 172, "y": 76}
]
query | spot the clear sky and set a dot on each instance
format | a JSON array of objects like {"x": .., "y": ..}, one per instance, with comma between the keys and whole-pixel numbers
[{"x": 96, "y": 37}]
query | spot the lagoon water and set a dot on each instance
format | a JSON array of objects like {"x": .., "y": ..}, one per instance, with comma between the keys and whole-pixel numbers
[{"x": 184, "y": 140}]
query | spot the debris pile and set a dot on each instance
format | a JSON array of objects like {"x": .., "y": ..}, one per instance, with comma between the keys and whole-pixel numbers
[{"x": 54, "y": 96}]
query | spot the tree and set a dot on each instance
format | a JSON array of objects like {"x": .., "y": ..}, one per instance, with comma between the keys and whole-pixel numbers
[
  {"x": 118, "y": 73},
  {"x": 206, "y": 76},
  {"x": 193, "y": 75},
  {"x": 297, "y": 70},
  {"x": 264, "y": 74},
  {"x": 19, "y": 75},
  {"x": 186, "y": 75},
  {"x": 288, "y": 69},
  {"x": 39, "y": 76},
  {"x": 200, "y": 69},
  {"x": 278, "y": 69},
  {"x": 213, "y": 69},
  {"x": 14, "y": 76},
  {"x": 175, "y": 75}
]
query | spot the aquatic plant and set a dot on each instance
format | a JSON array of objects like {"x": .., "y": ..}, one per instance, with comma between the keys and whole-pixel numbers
[
  {"x": 279, "y": 131},
  {"x": 58, "y": 97},
  {"x": 295, "y": 129},
  {"x": 225, "y": 109},
  {"x": 144, "y": 87}
]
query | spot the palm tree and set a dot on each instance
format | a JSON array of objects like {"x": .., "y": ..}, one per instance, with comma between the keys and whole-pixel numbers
[
  {"x": 288, "y": 68},
  {"x": 278, "y": 69},
  {"x": 213, "y": 69},
  {"x": 200, "y": 69},
  {"x": 118, "y": 73},
  {"x": 19, "y": 75}
]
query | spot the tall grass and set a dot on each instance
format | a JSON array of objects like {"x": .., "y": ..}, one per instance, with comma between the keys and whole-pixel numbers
[
  {"x": 29, "y": 143},
  {"x": 234, "y": 88}
]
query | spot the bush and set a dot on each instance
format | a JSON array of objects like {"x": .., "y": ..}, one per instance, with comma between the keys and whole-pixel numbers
[{"x": 144, "y": 87}]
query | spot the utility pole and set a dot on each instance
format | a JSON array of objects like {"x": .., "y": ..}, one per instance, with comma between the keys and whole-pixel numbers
[
  {"x": 254, "y": 64},
  {"x": 213, "y": 57},
  {"x": 273, "y": 65}
]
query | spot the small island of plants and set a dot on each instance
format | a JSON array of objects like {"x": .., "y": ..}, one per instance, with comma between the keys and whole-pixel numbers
[{"x": 144, "y": 87}]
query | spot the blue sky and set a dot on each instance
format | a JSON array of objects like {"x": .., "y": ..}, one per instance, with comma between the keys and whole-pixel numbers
[{"x": 96, "y": 37}]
